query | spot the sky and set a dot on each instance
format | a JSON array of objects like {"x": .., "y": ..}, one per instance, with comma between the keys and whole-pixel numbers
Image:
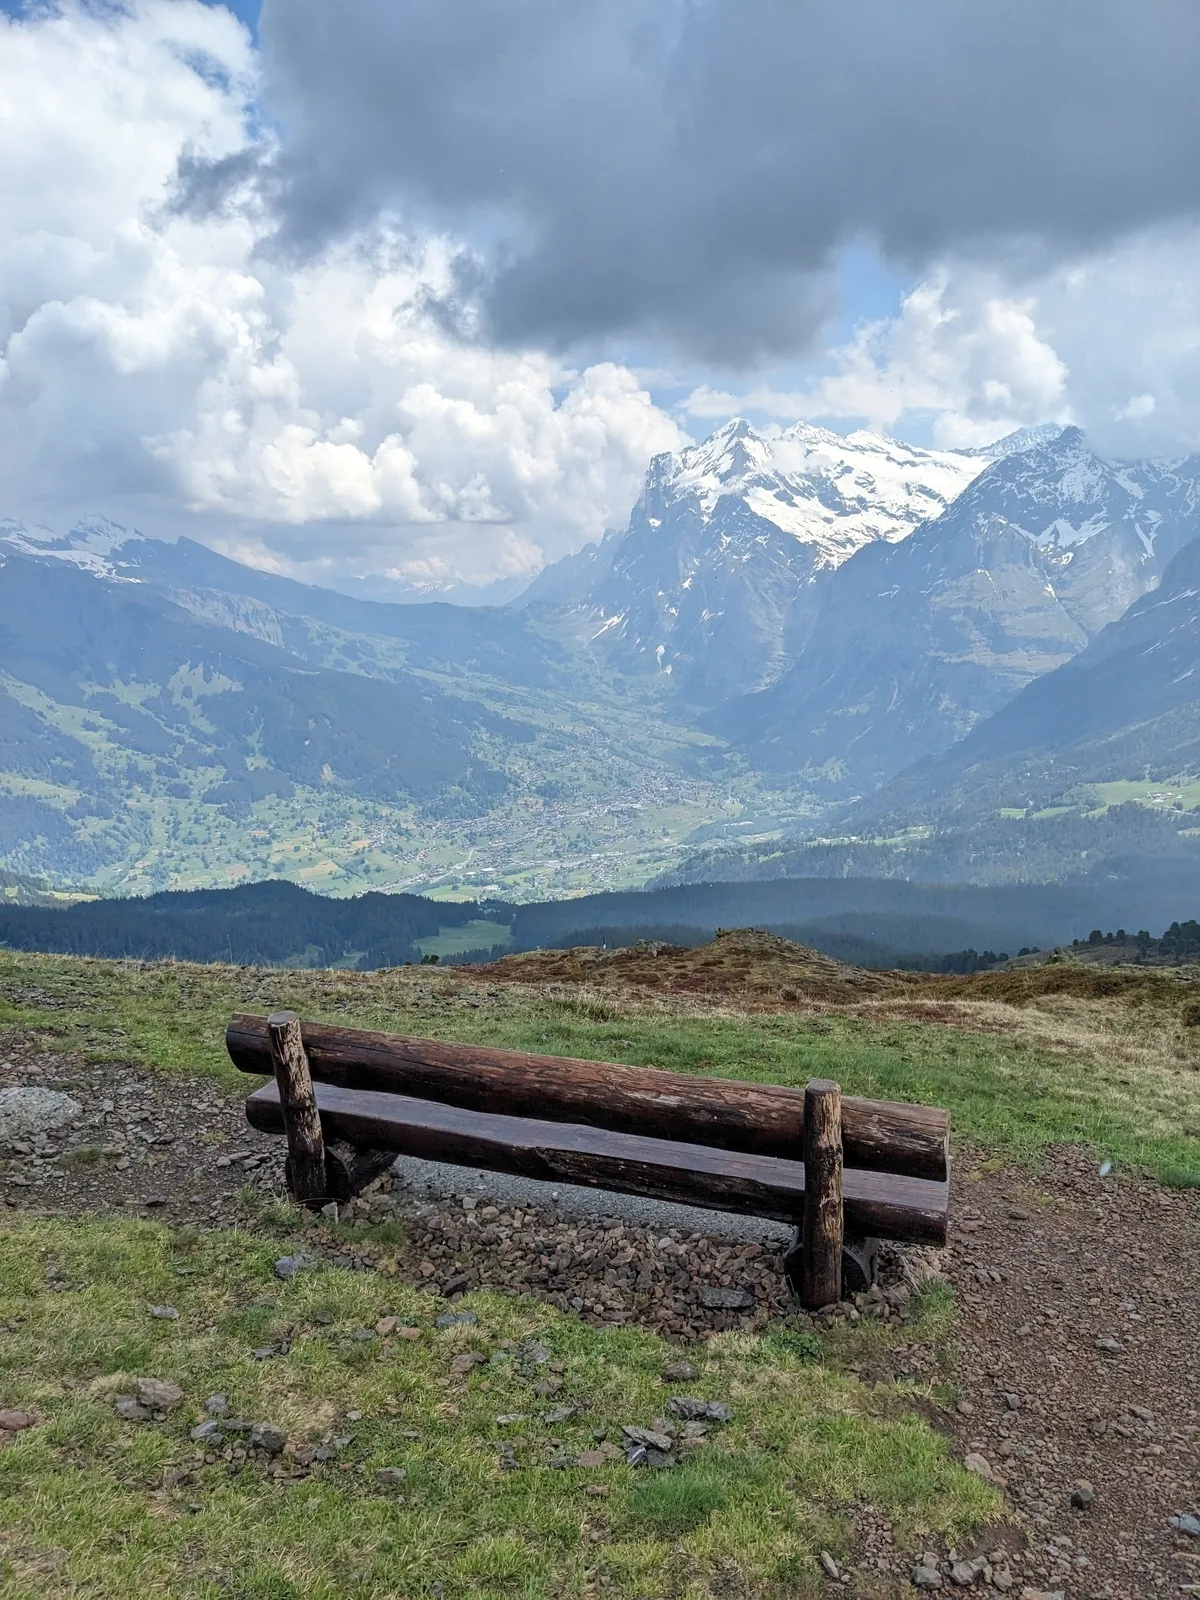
[{"x": 409, "y": 292}]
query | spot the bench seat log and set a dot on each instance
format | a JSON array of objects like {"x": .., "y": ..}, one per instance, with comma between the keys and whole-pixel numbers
[
  {"x": 881, "y": 1205},
  {"x": 759, "y": 1119}
]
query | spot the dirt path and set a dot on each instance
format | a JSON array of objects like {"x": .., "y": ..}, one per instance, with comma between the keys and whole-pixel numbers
[{"x": 1077, "y": 1357}]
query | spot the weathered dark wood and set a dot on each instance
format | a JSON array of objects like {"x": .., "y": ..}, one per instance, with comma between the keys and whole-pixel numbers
[
  {"x": 762, "y": 1119},
  {"x": 860, "y": 1261},
  {"x": 824, "y": 1223},
  {"x": 298, "y": 1106},
  {"x": 348, "y": 1170},
  {"x": 880, "y": 1204}
]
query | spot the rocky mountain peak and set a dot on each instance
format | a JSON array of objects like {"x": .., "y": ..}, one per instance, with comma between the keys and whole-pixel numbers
[{"x": 90, "y": 544}]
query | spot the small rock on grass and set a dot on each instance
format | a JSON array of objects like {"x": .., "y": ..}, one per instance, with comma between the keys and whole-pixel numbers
[
  {"x": 389, "y": 1475},
  {"x": 559, "y": 1414},
  {"x": 158, "y": 1394},
  {"x": 649, "y": 1437},
  {"x": 456, "y": 1319},
  {"x": 464, "y": 1362},
  {"x": 288, "y": 1266},
  {"x": 130, "y": 1409},
  {"x": 693, "y": 1410},
  {"x": 217, "y": 1405},
  {"x": 680, "y": 1372},
  {"x": 16, "y": 1421},
  {"x": 165, "y": 1313},
  {"x": 829, "y": 1564},
  {"x": 266, "y": 1436}
]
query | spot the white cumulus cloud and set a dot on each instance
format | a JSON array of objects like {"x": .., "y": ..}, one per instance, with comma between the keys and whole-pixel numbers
[{"x": 167, "y": 367}]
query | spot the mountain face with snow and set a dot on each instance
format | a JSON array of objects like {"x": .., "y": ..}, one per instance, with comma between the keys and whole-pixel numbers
[
  {"x": 713, "y": 582},
  {"x": 915, "y": 642}
]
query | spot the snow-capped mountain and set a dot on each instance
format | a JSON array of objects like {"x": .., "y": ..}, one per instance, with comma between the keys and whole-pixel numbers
[
  {"x": 914, "y": 643},
  {"x": 830, "y": 491},
  {"x": 711, "y": 583},
  {"x": 95, "y": 544}
]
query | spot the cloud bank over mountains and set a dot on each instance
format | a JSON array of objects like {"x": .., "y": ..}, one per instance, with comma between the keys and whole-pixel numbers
[{"x": 401, "y": 289}]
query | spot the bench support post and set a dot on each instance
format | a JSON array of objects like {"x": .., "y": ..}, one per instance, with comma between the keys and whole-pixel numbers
[
  {"x": 824, "y": 1224},
  {"x": 860, "y": 1262},
  {"x": 302, "y": 1121}
]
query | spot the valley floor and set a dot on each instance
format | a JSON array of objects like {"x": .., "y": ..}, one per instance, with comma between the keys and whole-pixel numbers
[{"x": 1052, "y": 1343}]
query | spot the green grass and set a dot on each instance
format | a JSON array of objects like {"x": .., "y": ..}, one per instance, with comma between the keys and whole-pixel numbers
[
  {"x": 92, "y": 1505},
  {"x": 1006, "y": 1093},
  {"x": 478, "y": 935}
]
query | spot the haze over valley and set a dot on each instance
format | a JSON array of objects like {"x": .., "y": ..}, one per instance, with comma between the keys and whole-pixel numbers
[{"x": 791, "y": 627}]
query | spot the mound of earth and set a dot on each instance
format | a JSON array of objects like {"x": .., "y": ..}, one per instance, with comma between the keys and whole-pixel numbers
[{"x": 745, "y": 964}]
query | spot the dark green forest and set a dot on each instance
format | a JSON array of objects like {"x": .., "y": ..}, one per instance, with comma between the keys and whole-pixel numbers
[{"x": 261, "y": 924}]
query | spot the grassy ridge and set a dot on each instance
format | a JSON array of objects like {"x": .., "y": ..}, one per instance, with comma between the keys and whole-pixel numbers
[{"x": 1006, "y": 1084}]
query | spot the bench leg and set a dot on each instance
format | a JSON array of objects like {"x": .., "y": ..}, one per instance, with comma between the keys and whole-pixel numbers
[
  {"x": 348, "y": 1171},
  {"x": 349, "y": 1168},
  {"x": 302, "y": 1121},
  {"x": 824, "y": 1223},
  {"x": 860, "y": 1258}
]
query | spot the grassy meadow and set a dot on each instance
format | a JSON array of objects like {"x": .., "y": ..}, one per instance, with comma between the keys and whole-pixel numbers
[
  {"x": 470, "y": 1506},
  {"x": 1021, "y": 1060}
]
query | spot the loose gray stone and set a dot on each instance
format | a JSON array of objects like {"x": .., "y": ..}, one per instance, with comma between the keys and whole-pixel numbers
[
  {"x": 158, "y": 1394},
  {"x": 1187, "y": 1524},
  {"x": 1110, "y": 1347},
  {"x": 1083, "y": 1495},
  {"x": 559, "y": 1414},
  {"x": 680, "y": 1372},
  {"x": 693, "y": 1410},
  {"x": 649, "y": 1438},
  {"x": 34, "y": 1110},
  {"x": 391, "y": 1474},
  {"x": 924, "y": 1577},
  {"x": 726, "y": 1299},
  {"x": 130, "y": 1409},
  {"x": 456, "y": 1319},
  {"x": 266, "y": 1436},
  {"x": 288, "y": 1266},
  {"x": 206, "y": 1432},
  {"x": 217, "y": 1405},
  {"x": 165, "y": 1313},
  {"x": 829, "y": 1564}
]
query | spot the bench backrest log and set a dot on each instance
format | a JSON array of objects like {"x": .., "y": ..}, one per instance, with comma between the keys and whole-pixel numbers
[{"x": 725, "y": 1114}]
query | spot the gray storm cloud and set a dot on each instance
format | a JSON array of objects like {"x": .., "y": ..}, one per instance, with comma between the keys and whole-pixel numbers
[{"x": 690, "y": 168}]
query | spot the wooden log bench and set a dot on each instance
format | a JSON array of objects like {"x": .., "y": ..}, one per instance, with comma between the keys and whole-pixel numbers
[{"x": 846, "y": 1171}]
